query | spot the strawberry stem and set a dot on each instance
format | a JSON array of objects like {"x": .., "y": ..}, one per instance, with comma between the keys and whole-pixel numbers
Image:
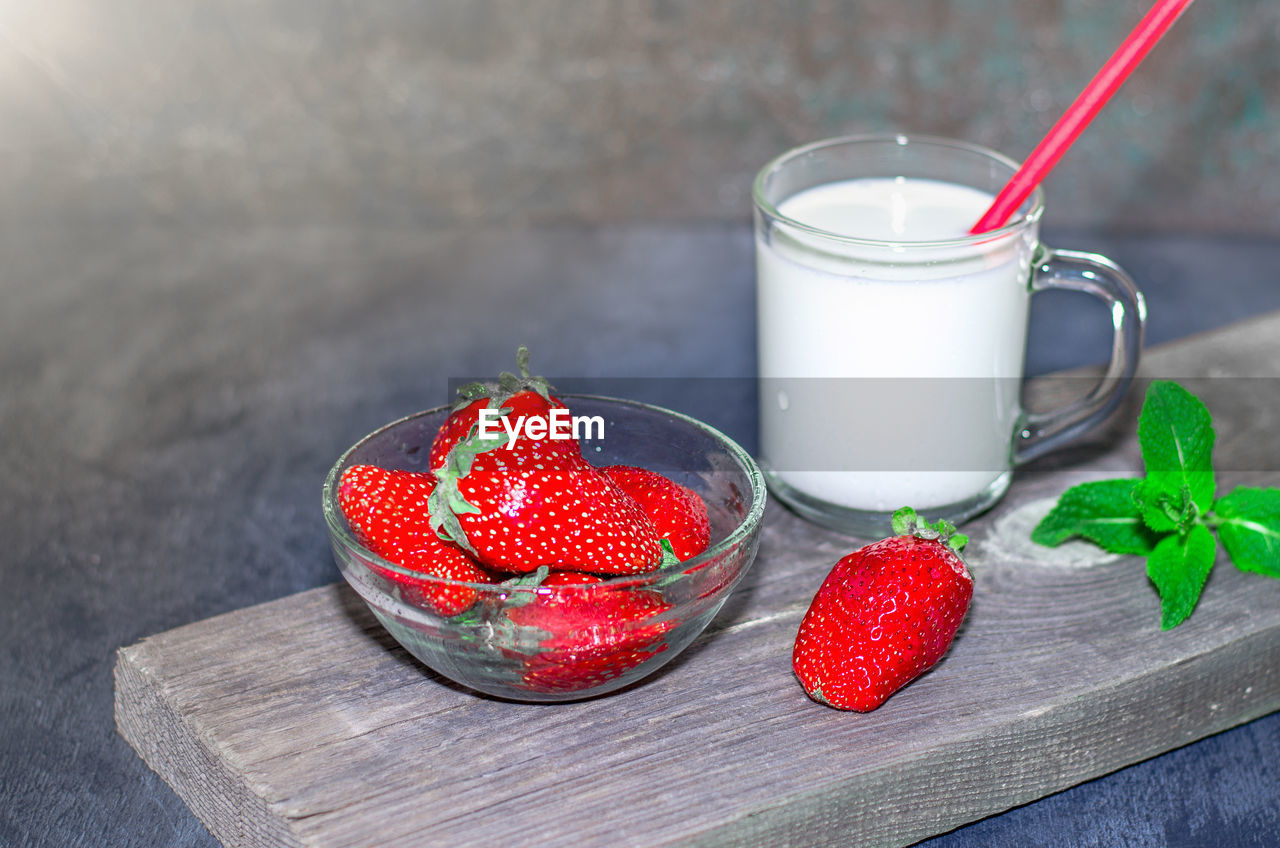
[
  {"x": 508, "y": 384},
  {"x": 906, "y": 522}
]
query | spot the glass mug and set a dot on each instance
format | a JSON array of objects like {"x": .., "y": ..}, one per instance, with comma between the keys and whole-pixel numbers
[{"x": 891, "y": 369}]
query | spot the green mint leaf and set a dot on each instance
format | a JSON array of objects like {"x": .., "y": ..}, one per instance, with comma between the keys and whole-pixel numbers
[
  {"x": 1103, "y": 512},
  {"x": 1164, "y": 511},
  {"x": 1179, "y": 566},
  {"x": 1249, "y": 526},
  {"x": 1175, "y": 431}
]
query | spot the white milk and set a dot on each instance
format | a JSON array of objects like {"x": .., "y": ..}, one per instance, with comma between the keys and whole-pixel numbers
[{"x": 890, "y": 374}]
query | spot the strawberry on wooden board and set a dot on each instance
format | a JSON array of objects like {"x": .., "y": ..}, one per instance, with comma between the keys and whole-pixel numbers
[
  {"x": 587, "y": 635},
  {"x": 677, "y": 512},
  {"x": 538, "y": 502},
  {"x": 387, "y": 511},
  {"x": 884, "y": 615},
  {"x": 525, "y": 396}
]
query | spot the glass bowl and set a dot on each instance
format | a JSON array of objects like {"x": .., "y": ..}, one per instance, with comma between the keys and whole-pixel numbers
[{"x": 528, "y": 643}]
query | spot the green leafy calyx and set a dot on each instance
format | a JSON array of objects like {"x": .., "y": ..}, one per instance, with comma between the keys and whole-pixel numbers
[
  {"x": 906, "y": 522},
  {"x": 506, "y": 386},
  {"x": 447, "y": 501}
]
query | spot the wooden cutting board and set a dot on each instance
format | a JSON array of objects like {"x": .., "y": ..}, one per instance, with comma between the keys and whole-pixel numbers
[{"x": 300, "y": 722}]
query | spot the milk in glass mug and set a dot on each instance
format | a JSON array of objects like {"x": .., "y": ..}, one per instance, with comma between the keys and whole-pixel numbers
[{"x": 892, "y": 342}]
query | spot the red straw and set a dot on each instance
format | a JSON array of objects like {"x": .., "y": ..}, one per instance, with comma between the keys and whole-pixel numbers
[{"x": 1077, "y": 117}]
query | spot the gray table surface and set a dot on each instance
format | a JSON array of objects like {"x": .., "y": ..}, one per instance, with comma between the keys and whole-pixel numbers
[{"x": 170, "y": 400}]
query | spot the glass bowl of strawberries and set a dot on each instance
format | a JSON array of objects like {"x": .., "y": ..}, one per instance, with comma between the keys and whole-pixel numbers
[{"x": 544, "y": 562}]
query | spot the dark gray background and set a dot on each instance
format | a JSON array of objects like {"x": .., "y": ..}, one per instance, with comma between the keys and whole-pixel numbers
[
  {"x": 431, "y": 112},
  {"x": 234, "y": 240}
]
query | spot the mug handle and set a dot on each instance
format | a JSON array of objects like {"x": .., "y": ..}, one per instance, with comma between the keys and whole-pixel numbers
[{"x": 1040, "y": 432}]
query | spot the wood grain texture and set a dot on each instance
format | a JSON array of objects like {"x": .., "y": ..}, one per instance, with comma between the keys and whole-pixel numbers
[{"x": 300, "y": 722}]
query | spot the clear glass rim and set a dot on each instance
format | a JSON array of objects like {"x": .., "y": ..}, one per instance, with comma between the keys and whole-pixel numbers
[
  {"x": 338, "y": 524},
  {"x": 1032, "y": 215}
]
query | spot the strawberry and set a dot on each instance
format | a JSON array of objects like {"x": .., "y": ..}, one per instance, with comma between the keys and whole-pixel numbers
[
  {"x": 539, "y": 503},
  {"x": 587, "y": 635},
  {"x": 526, "y": 396},
  {"x": 535, "y": 501},
  {"x": 569, "y": 578},
  {"x": 884, "y": 615},
  {"x": 677, "y": 513},
  {"x": 387, "y": 511},
  {"x": 572, "y": 671}
]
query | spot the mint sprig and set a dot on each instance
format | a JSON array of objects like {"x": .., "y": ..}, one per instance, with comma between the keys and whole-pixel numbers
[{"x": 1169, "y": 514}]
